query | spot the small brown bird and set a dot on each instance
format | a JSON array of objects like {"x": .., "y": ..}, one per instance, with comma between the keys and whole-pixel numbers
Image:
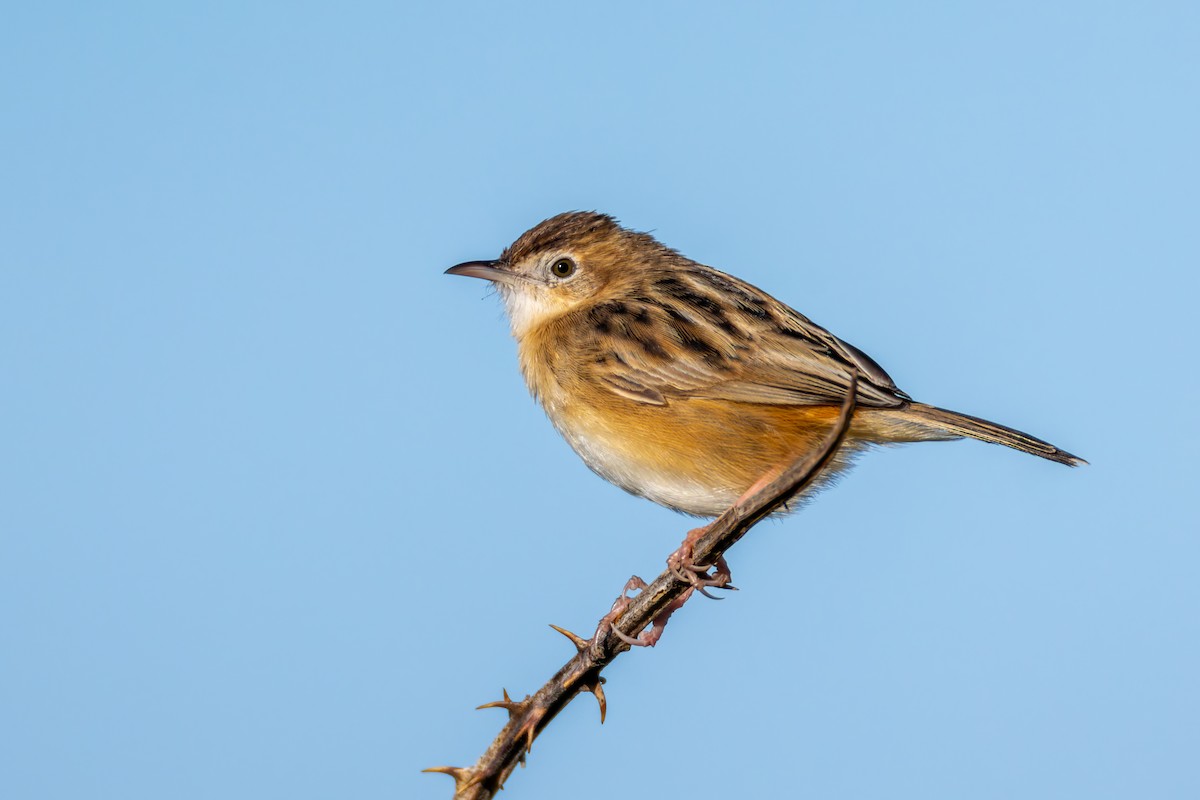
[{"x": 687, "y": 386}]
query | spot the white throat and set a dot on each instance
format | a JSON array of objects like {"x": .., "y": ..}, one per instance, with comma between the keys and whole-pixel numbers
[{"x": 525, "y": 310}]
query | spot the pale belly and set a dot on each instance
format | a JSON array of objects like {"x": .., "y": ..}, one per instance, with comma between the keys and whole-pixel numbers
[
  {"x": 623, "y": 466},
  {"x": 697, "y": 456}
]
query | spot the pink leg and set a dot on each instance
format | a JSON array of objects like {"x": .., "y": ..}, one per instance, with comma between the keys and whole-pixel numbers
[
  {"x": 650, "y": 636},
  {"x": 762, "y": 482},
  {"x": 682, "y": 563}
]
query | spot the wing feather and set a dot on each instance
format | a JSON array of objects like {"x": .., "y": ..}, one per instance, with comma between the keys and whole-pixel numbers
[{"x": 705, "y": 334}]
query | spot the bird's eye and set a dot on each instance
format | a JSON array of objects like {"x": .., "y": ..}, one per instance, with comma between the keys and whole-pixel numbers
[{"x": 563, "y": 268}]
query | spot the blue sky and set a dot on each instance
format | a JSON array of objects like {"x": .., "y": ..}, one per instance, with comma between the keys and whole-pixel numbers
[{"x": 276, "y": 511}]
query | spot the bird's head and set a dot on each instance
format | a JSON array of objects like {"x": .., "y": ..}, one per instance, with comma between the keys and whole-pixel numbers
[{"x": 567, "y": 262}]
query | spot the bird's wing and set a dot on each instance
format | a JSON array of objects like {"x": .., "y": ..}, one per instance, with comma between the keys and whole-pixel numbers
[{"x": 711, "y": 342}]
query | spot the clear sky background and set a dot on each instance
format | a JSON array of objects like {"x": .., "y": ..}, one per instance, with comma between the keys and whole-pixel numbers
[{"x": 276, "y": 511}]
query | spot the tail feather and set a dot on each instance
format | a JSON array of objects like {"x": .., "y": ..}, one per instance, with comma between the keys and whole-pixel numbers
[{"x": 955, "y": 424}]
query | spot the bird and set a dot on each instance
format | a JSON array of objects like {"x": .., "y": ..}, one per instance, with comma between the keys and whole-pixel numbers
[{"x": 685, "y": 385}]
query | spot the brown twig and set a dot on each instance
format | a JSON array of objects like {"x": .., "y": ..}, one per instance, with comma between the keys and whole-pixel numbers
[{"x": 528, "y": 717}]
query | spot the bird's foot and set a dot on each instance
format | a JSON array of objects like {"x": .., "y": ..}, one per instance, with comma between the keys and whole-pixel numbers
[
  {"x": 683, "y": 566},
  {"x": 649, "y": 636}
]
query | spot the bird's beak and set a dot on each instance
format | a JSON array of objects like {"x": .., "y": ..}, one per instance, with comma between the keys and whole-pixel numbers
[{"x": 488, "y": 270}]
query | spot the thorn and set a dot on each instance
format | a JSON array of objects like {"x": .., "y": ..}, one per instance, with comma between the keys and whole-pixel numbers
[
  {"x": 534, "y": 716},
  {"x": 463, "y": 777},
  {"x": 598, "y": 691},
  {"x": 579, "y": 642},
  {"x": 597, "y": 688},
  {"x": 529, "y": 733},
  {"x": 508, "y": 704}
]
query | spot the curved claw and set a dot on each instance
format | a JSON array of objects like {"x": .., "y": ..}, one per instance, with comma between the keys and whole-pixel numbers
[
  {"x": 677, "y": 571},
  {"x": 682, "y": 566},
  {"x": 626, "y": 638},
  {"x": 696, "y": 575}
]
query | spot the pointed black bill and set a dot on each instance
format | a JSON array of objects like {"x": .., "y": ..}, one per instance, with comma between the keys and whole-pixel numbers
[{"x": 488, "y": 270}]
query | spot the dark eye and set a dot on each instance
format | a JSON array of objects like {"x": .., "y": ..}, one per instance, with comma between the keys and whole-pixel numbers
[{"x": 563, "y": 268}]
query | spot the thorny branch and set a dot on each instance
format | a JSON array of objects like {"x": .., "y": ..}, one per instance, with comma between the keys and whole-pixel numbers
[{"x": 528, "y": 717}]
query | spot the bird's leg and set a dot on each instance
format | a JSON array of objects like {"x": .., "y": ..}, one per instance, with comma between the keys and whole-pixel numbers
[
  {"x": 683, "y": 566},
  {"x": 650, "y": 636},
  {"x": 682, "y": 562},
  {"x": 618, "y": 608}
]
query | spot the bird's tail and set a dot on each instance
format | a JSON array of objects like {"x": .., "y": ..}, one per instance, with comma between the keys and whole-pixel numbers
[{"x": 943, "y": 424}]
